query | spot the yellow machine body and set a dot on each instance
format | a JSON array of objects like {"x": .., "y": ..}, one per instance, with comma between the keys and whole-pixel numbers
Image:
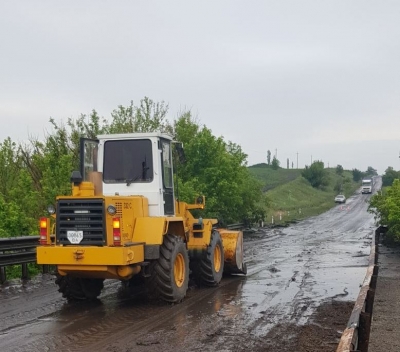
[{"x": 137, "y": 230}]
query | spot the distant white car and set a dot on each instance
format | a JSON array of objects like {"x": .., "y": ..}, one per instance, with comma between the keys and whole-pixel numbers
[{"x": 340, "y": 198}]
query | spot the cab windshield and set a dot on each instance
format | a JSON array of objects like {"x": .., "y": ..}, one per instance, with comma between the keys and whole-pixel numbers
[{"x": 128, "y": 161}]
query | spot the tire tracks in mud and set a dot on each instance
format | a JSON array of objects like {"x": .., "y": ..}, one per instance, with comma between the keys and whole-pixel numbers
[
  {"x": 133, "y": 318},
  {"x": 47, "y": 302},
  {"x": 302, "y": 305},
  {"x": 14, "y": 302}
]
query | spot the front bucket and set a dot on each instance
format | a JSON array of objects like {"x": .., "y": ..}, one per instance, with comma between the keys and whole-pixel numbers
[{"x": 233, "y": 251}]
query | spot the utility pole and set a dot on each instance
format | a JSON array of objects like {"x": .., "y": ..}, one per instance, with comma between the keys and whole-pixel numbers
[
  {"x": 276, "y": 153},
  {"x": 297, "y": 165},
  {"x": 311, "y": 160}
]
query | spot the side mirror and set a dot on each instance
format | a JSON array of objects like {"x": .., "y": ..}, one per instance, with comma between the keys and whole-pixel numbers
[
  {"x": 180, "y": 152},
  {"x": 200, "y": 200},
  {"x": 76, "y": 177}
]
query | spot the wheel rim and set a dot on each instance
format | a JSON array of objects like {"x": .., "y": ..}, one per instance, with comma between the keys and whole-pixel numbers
[
  {"x": 179, "y": 270},
  {"x": 217, "y": 258}
]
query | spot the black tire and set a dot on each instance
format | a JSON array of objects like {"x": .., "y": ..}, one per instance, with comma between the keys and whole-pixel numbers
[
  {"x": 134, "y": 281},
  {"x": 208, "y": 270},
  {"x": 169, "y": 275},
  {"x": 74, "y": 288},
  {"x": 92, "y": 287}
]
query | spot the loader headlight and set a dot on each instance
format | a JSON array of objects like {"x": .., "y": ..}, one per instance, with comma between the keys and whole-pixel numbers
[
  {"x": 111, "y": 210},
  {"x": 51, "y": 210}
]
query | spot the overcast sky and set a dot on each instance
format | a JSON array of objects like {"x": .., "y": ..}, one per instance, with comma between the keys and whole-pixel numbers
[{"x": 317, "y": 78}]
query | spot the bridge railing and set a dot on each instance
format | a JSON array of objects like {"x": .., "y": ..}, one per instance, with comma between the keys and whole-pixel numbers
[{"x": 356, "y": 335}]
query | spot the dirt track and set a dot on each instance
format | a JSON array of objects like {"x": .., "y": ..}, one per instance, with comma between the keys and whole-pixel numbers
[{"x": 298, "y": 295}]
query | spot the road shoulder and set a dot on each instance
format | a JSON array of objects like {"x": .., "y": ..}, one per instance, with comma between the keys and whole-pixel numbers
[{"x": 385, "y": 324}]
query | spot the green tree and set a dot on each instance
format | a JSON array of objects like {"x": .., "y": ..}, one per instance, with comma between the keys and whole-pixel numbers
[
  {"x": 316, "y": 174},
  {"x": 357, "y": 175},
  {"x": 275, "y": 163},
  {"x": 50, "y": 162},
  {"x": 371, "y": 171},
  {"x": 389, "y": 176},
  {"x": 339, "y": 170},
  {"x": 386, "y": 207},
  {"x": 149, "y": 116},
  {"x": 13, "y": 220},
  {"x": 19, "y": 205},
  {"x": 218, "y": 170},
  {"x": 10, "y": 166},
  {"x": 338, "y": 186},
  {"x": 268, "y": 157}
]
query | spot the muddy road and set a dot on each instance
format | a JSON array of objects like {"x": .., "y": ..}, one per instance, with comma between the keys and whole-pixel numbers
[{"x": 300, "y": 289}]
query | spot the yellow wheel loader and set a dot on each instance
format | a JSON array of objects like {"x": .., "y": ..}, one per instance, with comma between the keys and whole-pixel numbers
[{"x": 122, "y": 221}]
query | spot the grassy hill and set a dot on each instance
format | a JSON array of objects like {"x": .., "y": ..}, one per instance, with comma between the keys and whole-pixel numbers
[
  {"x": 272, "y": 178},
  {"x": 292, "y": 197}
]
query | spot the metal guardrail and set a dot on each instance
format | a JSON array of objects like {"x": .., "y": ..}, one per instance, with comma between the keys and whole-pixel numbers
[
  {"x": 356, "y": 336},
  {"x": 238, "y": 226},
  {"x": 18, "y": 251}
]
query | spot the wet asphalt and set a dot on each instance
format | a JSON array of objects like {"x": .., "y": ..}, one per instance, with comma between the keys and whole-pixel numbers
[{"x": 291, "y": 271}]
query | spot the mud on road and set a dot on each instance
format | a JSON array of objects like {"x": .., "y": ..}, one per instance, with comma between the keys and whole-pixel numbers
[{"x": 298, "y": 295}]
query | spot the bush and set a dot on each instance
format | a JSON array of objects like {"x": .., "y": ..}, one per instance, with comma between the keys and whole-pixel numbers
[
  {"x": 386, "y": 207},
  {"x": 316, "y": 174}
]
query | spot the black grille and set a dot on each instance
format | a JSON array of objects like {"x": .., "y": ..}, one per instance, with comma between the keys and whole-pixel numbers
[{"x": 85, "y": 215}]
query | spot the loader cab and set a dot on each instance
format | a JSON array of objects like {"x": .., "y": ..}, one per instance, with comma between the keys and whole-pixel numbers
[{"x": 131, "y": 164}]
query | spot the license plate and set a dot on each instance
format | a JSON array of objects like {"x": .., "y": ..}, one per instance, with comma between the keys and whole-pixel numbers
[{"x": 75, "y": 237}]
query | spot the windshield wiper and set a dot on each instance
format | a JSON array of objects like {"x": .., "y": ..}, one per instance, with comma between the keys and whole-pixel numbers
[
  {"x": 142, "y": 175},
  {"x": 133, "y": 179}
]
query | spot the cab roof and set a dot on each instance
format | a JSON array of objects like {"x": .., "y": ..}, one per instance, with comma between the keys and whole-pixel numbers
[{"x": 137, "y": 135}]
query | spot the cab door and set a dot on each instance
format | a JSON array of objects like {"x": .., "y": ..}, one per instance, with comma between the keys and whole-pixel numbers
[
  {"x": 167, "y": 177},
  {"x": 88, "y": 157}
]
